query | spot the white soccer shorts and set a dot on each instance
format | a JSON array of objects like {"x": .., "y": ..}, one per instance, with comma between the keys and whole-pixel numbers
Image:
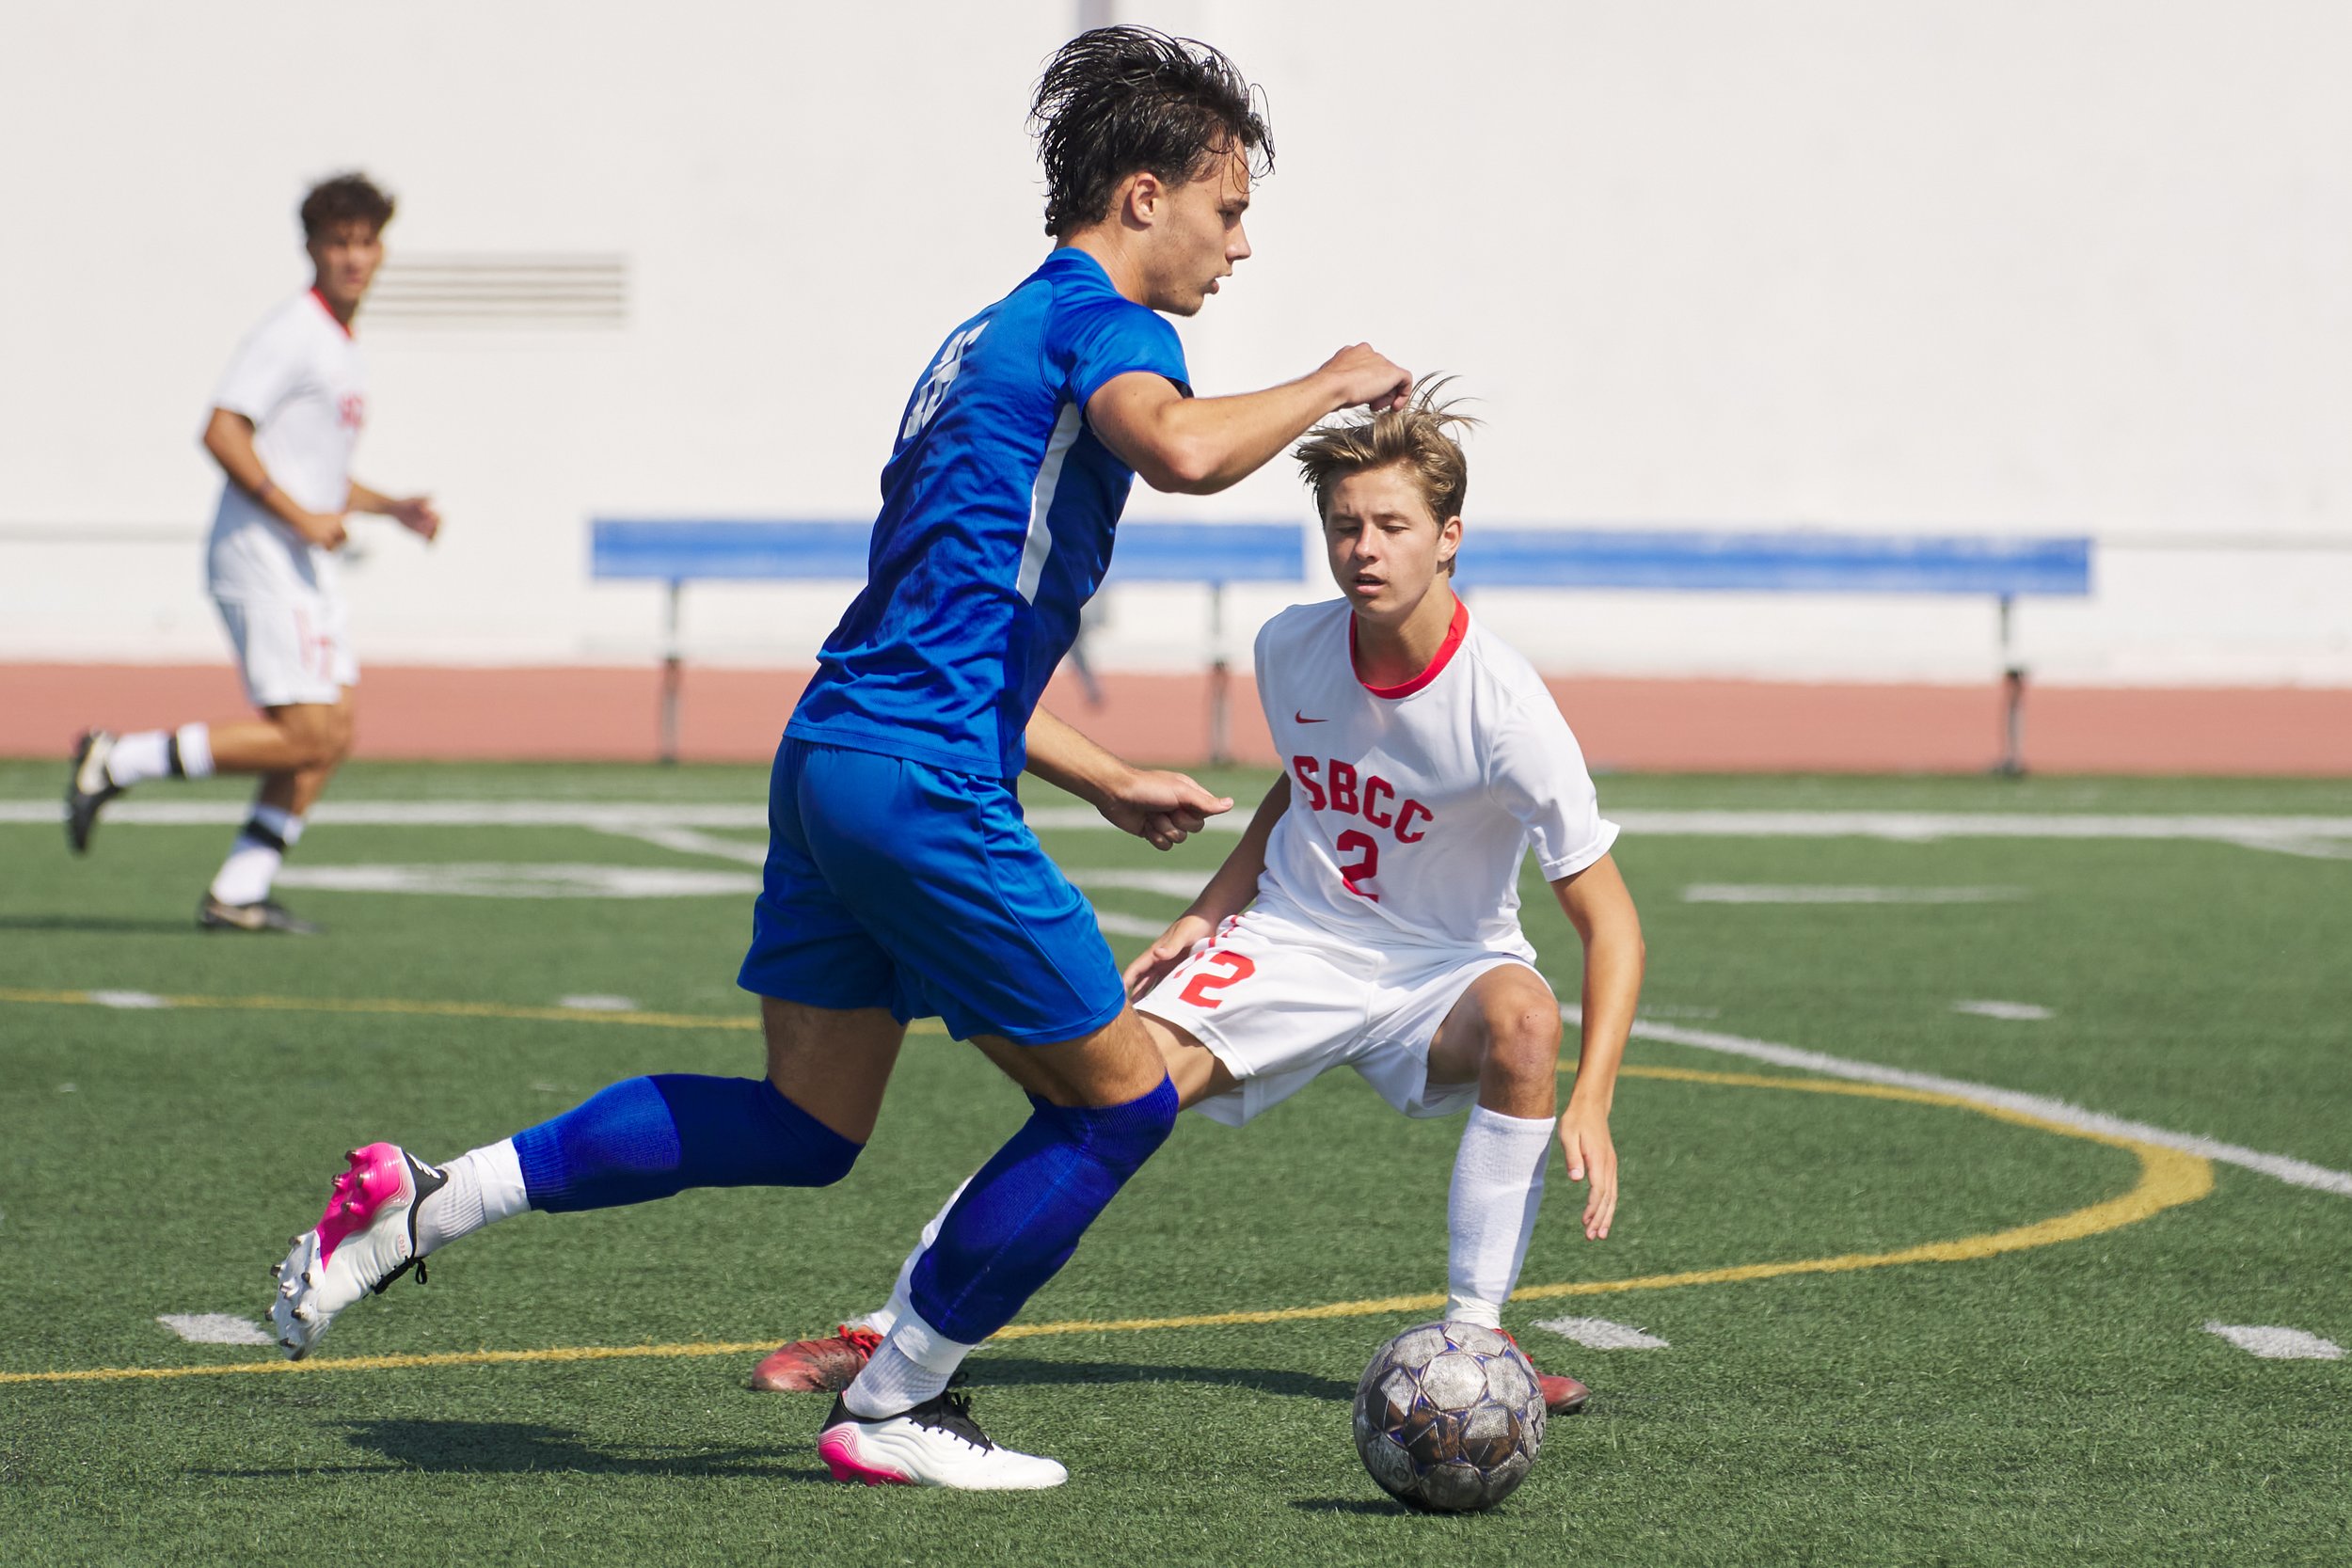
[
  {"x": 1280, "y": 1005},
  {"x": 291, "y": 649}
]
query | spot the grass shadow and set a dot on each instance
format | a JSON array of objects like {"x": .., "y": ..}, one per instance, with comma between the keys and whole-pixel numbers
[
  {"x": 1389, "y": 1506},
  {"x": 98, "y": 925},
  {"x": 512, "y": 1448},
  {"x": 1012, "y": 1371}
]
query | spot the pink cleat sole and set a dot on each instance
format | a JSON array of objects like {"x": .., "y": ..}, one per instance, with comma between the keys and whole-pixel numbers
[{"x": 838, "y": 1450}]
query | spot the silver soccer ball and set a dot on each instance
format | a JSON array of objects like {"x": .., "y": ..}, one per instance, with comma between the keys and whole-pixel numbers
[{"x": 1447, "y": 1417}]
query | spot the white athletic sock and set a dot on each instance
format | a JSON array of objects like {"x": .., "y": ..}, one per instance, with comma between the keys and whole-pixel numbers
[
  {"x": 1490, "y": 1214},
  {"x": 911, "y": 1365},
  {"x": 196, "y": 749},
  {"x": 252, "y": 865},
  {"x": 485, "y": 1184},
  {"x": 184, "y": 753},
  {"x": 137, "y": 758},
  {"x": 901, "y": 1305}
]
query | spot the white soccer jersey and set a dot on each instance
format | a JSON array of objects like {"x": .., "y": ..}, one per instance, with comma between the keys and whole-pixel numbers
[
  {"x": 299, "y": 378},
  {"x": 1412, "y": 806}
]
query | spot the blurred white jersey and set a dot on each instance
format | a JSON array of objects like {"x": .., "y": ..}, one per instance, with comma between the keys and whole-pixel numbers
[
  {"x": 299, "y": 378},
  {"x": 1412, "y": 806}
]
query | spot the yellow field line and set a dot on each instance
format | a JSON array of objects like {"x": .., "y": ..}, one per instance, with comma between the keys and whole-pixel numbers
[{"x": 2168, "y": 1178}]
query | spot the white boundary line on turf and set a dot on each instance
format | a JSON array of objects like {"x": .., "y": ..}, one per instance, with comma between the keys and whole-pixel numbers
[
  {"x": 2329, "y": 836},
  {"x": 2283, "y": 1168},
  {"x": 2277, "y": 1343}
]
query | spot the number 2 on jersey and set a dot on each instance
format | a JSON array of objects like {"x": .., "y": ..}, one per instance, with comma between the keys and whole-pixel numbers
[
  {"x": 1354, "y": 842},
  {"x": 1238, "y": 968}
]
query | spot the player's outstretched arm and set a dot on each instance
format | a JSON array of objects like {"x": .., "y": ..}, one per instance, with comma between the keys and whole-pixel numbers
[
  {"x": 1229, "y": 893},
  {"x": 228, "y": 436},
  {"x": 1600, "y": 906},
  {"x": 417, "y": 513},
  {"x": 1163, "y": 807},
  {"x": 1199, "y": 446}
]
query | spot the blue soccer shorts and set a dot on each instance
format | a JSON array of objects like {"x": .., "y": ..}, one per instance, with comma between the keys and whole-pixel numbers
[{"x": 890, "y": 884}]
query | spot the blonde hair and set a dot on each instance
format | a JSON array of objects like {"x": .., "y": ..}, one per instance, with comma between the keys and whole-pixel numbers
[{"x": 1415, "y": 438}]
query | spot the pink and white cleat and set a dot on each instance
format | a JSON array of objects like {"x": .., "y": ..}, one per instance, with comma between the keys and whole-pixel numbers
[
  {"x": 365, "y": 1240},
  {"x": 935, "y": 1443}
]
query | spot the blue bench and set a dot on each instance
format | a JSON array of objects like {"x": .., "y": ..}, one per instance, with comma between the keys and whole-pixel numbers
[
  {"x": 676, "y": 552},
  {"x": 1685, "y": 560},
  {"x": 679, "y": 552}
]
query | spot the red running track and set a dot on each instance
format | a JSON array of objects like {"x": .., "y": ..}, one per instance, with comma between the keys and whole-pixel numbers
[{"x": 605, "y": 714}]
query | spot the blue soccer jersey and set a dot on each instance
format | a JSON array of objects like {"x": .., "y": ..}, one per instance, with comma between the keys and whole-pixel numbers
[{"x": 998, "y": 505}]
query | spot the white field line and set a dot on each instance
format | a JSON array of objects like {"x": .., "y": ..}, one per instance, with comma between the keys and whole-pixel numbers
[
  {"x": 1116, "y": 924},
  {"x": 1600, "y": 1334},
  {"x": 129, "y": 999},
  {"x": 1785, "y": 892},
  {"x": 694, "y": 841},
  {"x": 215, "y": 1328},
  {"x": 2291, "y": 834},
  {"x": 599, "y": 1003},
  {"x": 2011, "y": 1012},
  {"x": 2274, "y": 1344},
  {"x": 499, "y": 879},
  {"x": 1169, "y": 884},
  {"x": 2298, "y": 1173}
]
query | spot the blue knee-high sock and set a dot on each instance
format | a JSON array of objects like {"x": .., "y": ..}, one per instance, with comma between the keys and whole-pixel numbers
[
  {"x": 645, "y": 1139},
  {"x": 1020, "y": 1217}
]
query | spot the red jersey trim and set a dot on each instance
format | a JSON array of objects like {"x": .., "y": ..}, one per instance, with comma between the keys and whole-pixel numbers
[
  {"x": 341, "y": 326},
  {"x": 1454, "y": 635}
]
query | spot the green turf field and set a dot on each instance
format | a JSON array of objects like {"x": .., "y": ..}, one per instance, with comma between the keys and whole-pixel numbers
[{"x": 1898, "y": 1329}]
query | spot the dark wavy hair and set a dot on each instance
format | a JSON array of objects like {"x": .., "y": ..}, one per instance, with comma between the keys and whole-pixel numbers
[
  {"x": 346, "y": 198},
  {"x": 1118, "y": 101}
]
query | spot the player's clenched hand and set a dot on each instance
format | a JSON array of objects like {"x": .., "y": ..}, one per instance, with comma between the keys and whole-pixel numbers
[
  {"x": 1363, "y": 375},
  {"x": 418, "y": 514},
  {"x": 1162, "y": 808},
  {"x": 1585, "y": 1139},
  {"x": 325, "y": 530},
  {"x": 1174, "y": 946}
]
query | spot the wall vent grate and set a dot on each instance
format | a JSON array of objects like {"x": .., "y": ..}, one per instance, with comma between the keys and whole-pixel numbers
[{"x": 486, "y": 290}]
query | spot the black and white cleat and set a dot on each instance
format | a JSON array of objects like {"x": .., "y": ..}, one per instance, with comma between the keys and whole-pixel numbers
[
  {"x": 88, "y": 788},
  {"x": 266, "y": 915}
]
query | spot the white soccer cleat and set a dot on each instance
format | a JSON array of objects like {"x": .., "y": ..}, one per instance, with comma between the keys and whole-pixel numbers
[
  {"x": 87, "y": 788},
  {"x": 365, "y": 1240},
  {"x": 935, "y": 1443}
]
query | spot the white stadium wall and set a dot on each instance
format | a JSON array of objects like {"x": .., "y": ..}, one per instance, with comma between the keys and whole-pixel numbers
[{"x": 2006, "y": 267}]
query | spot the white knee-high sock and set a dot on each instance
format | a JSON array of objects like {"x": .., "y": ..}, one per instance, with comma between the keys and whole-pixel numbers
[
  {"x": 485, "y": 1184},
  {"x": 1490, "y": 1214},
  {"x": 883, "y": 1319},
  {"x": 252, "y": 865},
  {"x": 186, "y": 752}
]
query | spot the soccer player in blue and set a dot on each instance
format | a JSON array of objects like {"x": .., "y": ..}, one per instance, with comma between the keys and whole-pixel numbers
[{"x": 901, "y": 881}]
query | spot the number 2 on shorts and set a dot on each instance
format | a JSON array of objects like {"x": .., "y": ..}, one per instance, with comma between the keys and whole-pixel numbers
[{"x": 1238, "y": 968}]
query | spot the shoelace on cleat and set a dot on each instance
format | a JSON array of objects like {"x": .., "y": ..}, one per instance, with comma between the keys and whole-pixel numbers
[
  {"x": 951, "y": 1413},
  {"x": 386, "y": 1283},
  {"x": 863, "y": 1337}
]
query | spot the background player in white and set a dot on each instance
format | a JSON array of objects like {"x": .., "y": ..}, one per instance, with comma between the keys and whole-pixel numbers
[
  {"x": 283, "y": 423},
  {"x": 1369, "y": 916}
]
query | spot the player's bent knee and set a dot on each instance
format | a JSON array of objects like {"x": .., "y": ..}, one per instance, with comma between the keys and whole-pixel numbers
[
  {"x": 1523, "y": 1038},
  {"x": 1122, "y": 1137}
]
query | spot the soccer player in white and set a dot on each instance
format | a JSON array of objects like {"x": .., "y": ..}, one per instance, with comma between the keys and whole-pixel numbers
[
  {"x": 1369, "y": 916},
  {"x": 283, "y": 426}
]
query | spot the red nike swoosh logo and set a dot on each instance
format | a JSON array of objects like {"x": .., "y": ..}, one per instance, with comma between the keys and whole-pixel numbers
[{"x": 1304, "y": 720}]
